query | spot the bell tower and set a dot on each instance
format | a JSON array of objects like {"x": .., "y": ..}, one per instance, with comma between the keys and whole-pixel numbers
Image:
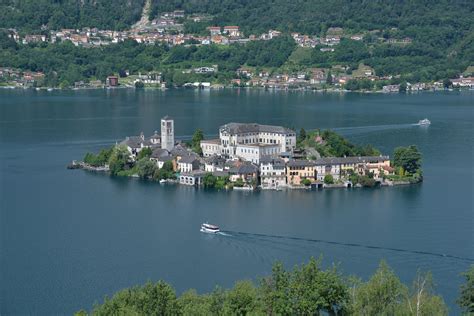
[{"x": 167, "y": 133}]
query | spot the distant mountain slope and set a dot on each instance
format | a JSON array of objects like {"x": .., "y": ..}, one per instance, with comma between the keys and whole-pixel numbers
[
  {"x": 31, "y": 15},
  {"x": 447, "y": 20}
]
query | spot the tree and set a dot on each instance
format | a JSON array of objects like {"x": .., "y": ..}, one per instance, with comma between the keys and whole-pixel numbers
[
  {"x": 242, "y": 299},
  {"x": 209, "y": 181},
  {"x": 306, "y": 182},
  {"x": 422, "y": 300},
  {"x": 302, "y": 135},
  {"x": 118, "y": 159},
  {"x": 198, "y": 136},
  {"x": 274, "y": 291},
  {"x": 139, "y": 85},
  {"x": 312, "y": 290},
  {"x": 239, "y": 182},
  {"x": 403, "y": 87},
  {"x": 144, "y": 153},
  {"x": 329, "y": 78},
  {"x": 409, "y": 158},
  {"x": 466, "y": 299},
  {"x": 381, "y": 295},
  {"x": 145, "y": 168},
  {"x": 328, "y": 179},
  {"x": 447, "y": 83},
  {"x": 151, "y": 299},
  {"x": 193, "y": 304},
  {"x": 166, "y": 171}
]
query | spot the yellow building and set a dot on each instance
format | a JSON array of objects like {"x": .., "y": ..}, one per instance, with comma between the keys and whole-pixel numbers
[{"x": 297, "y": 170}]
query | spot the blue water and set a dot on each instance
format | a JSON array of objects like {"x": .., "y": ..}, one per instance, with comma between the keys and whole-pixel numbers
[{"x": 68, "y": 238}]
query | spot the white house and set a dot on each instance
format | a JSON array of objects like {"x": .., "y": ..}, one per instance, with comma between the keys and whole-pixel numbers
[
  {"x": 211, "y": 147},
  {"x": 188, "y": 163},
  {"x": 272, "y": 173},
  {"x": 255, "y": 152}
]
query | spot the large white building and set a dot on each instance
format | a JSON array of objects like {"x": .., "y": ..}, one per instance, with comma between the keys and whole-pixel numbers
[
  {"x": 167, "y": 133},
  {"x": 250, "y": 141}
]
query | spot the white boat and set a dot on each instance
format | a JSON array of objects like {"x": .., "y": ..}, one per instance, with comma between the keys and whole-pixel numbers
[
  {"x": 208, "y": 228},
  {"x": 424, "y": 122},
  {"x": 162, "y": 181}
]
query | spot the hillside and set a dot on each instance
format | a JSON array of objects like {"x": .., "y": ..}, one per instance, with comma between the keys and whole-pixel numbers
[
  {"x": 397, "y": 41},
  {"x": 31, "y": 15}
]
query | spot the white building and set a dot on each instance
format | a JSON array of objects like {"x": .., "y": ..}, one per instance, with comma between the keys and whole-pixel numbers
[
  {"x": 255, "y": 152},
  {"x": 188, "y": 164},
  {"x": 167, "y": 133},
  {"x": 272, "y": 173},
  {"x": 250, "y": 141}
]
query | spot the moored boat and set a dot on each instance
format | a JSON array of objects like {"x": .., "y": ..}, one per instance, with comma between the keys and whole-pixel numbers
[{"x": 208, "y": 228}]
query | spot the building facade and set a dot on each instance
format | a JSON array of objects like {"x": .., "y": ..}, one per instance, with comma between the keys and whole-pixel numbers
[
  {"x": 272, "y": 173},
  {"x": 250, "y": 141},
  {"x": 297, "y": 170},
  {"x": 167, "y": 133}
]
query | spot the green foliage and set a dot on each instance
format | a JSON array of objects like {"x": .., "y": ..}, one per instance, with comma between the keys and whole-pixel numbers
[
  {"x": 334, "y": 145},
  {"x": 145, "y": 168},
  {"x": 139, "y": 85},
  {"x": 306, "y": 182},
  {"x": 151, "y": 299},
  {"x": 242, "y": 299},
  {"x": 166, "y": 172},
  {"x": 328, "y": 179},
  {"x": 193, "y": 304},
  {"x": 442, "y": 46},
  {"x": 306, "y": 290},
  {"x": 409, "y": 158},
  {"x": 144, "y": 153},
  {"x": 118, "y": 160},
  {"x": 100, "y": 159},
  {"x": 361, "y": 84},
  {"x": 313, "y": 290},
  {"x": 209, "y": 181},
  {"x": 31, "y": 15},
  {"x": 301, "y": 136},
  {"x": 466, "y": 299},
  {"x": 381, "y": 295},
  {"x": 196, "y": 141},
  {"x": 239, "y": 182}
]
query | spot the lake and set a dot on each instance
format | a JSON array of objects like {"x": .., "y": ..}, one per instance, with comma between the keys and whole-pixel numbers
[{"x": 68, "y": 237}]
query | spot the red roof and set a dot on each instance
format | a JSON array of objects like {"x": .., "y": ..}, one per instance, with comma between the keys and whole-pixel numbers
[{"x": 231, "y": 27}]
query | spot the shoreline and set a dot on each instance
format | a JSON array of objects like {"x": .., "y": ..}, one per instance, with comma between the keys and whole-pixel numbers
[
  {"x": 80, "y": 165},
  {"x": 223, "y": 87}
]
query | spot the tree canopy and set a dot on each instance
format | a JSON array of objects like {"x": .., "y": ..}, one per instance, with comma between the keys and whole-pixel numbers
[{"x": 305, "y": 290}]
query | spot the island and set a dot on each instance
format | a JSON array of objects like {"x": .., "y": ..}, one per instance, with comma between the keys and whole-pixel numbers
[{"x": 250, "y": 156}]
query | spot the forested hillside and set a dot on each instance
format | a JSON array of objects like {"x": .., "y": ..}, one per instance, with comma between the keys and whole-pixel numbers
[
  {"x": 411, "y": 41},
  {"x": 31, "y": 15}
]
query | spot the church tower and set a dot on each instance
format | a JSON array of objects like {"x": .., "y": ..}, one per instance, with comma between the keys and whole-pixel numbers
[{"x": 167, "y": 133}]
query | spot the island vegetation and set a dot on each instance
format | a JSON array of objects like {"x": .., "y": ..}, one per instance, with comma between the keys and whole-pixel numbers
[{"x": 308, "y": 289}]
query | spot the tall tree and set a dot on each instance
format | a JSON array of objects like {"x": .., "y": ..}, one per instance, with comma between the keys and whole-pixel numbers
[
  {"x": 466, "y": 299},
  {"x": 409, "y": 158}
]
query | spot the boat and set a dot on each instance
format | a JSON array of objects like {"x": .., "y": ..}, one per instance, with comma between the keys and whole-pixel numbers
[
  {"x": 424, "y": 122},
  {"x": 208, "y": 228},
  {"x": 162, "y": 181}
]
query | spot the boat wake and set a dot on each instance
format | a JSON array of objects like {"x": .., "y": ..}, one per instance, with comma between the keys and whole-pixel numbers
[
  {"x": 357, "y": 245},
  {"x": 371, "y": 128},
  {"x": 224, "y": 234}
]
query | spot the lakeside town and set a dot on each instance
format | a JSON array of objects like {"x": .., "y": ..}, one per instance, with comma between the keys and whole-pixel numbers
[
  {"x": 168, "y": 29},
  {"x": 249, "y": 156}
]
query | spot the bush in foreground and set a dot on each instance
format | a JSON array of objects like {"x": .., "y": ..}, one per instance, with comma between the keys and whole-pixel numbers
[{"x": 306, "y": 290}]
